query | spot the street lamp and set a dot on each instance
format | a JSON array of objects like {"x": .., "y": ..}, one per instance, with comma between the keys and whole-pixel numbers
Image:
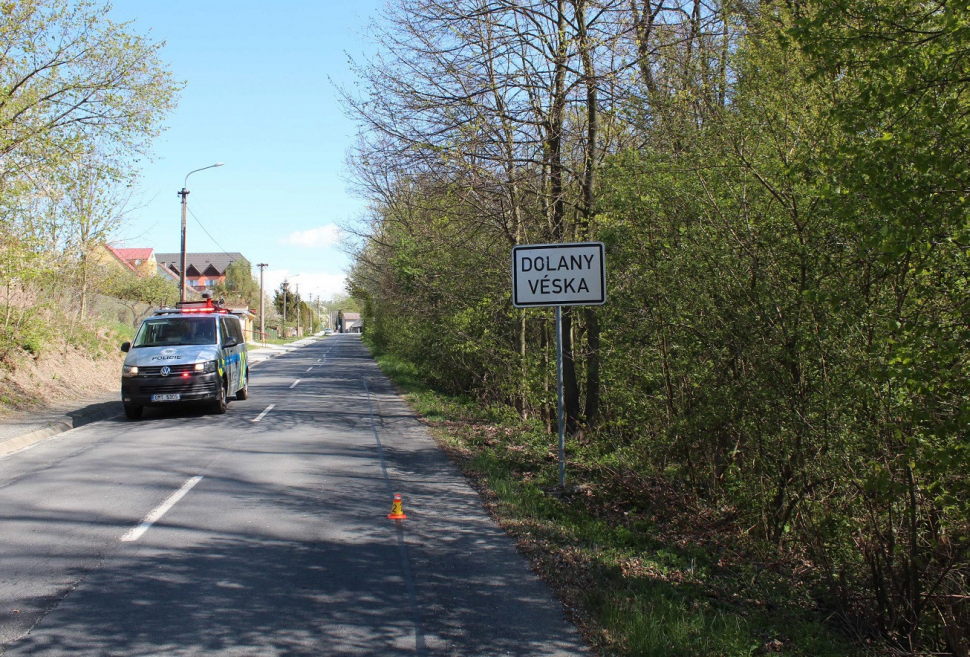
[
  {"x": 262, "y": 301},
  {"x": 184, "y": 194}
]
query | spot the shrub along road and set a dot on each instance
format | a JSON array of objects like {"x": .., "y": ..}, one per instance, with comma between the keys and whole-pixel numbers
[{"x": 263, "y": 530}]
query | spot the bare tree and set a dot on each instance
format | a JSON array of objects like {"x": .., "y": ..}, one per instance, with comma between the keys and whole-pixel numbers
[{"x": 495, "y": 105}]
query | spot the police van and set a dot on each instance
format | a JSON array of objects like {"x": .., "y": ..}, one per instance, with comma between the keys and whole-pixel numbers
[{"x": 193, "y": 353}]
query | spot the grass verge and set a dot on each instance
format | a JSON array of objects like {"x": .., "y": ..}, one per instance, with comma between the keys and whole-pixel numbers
[{"x": 640, "y": 567}]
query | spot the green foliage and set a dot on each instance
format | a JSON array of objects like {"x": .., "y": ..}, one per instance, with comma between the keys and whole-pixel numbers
[
  {"x": 139, "y": 294},
  {"x": 344, "y": 302},
  {"x": 285, "y": 301},
  {"x": 81, "y": 98},
  {"x": 149, "y": 290},
  {"x": 42, "y": 329},
  {"x": 72, "y": 79},
  {"x": 638, "y": 591},
  {"x": 427, "y": 308},
  {"x": 33, "y": 336},
  {"x": 240, "y": 285},
  {"x": 123, "y": 331},
  {"x": 784, "y": 205}
]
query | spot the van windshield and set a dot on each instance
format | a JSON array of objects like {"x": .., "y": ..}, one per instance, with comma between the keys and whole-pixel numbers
[{"x": 175, "y": 331}]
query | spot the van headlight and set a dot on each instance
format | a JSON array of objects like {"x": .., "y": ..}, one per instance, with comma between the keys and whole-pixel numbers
[
  {"x": 206, "y": 368},
  {"x": 129, "y": 370}
]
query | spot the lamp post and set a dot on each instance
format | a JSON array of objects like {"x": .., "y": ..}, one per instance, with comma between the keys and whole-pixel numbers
[
  {"x": 262, "y": 299},
  {"x": 184, "y": 194}
]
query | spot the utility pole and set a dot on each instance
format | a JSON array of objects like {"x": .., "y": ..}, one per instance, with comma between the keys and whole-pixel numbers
[
  {"x": 262, "y": 299},
  {"x": 297, "y": 310},
  {"x": 184, "y": 194}
]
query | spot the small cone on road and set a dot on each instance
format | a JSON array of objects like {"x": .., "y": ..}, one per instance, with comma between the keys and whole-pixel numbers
[{"x": 397, "y": 509}]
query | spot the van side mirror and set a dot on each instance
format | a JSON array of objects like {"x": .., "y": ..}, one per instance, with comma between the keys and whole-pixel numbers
[
  {"x": 126, "y": 346},
  {"x": 230, "y": 342}
]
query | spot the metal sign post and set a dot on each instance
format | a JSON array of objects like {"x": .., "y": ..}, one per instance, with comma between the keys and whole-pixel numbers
[
  {"x": 559, "y": 275},
  {"x": 562, "y": 410}
]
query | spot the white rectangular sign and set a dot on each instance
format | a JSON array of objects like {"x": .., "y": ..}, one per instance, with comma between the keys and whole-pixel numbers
[{"x": 558, "y": 275}]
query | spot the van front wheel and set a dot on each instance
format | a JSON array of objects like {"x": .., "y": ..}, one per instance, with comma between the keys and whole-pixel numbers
[
  {"x": 132, "y": 411},
  {"x": 221, "y": 403}
]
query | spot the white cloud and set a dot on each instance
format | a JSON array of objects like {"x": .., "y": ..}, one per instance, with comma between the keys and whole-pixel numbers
[
  {"x": 314, "y": 238},
  {"x": 326, "y": 286}
]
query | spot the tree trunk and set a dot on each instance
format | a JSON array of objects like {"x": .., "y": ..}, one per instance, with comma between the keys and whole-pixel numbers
[
  {"x": 643, "y": 22},
  {"x": 592, "y": 367},
  {"x": 570, "y": 387},
  {"x": 589, "y": 172},
  {"x": 83, "y": 286},
  {"x": 554, "y": 134}
]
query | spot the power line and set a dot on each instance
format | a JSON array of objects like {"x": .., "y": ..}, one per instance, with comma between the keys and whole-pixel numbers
[
  {"x": 204, "y": 209},
  {"x": 206, "y": 231}
]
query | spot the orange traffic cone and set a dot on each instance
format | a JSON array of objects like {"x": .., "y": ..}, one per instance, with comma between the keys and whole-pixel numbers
[{"x": 397, "y": 509}]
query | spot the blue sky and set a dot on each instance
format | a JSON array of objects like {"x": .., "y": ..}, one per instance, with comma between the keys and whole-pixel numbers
[{"x": 259, "y": 96}]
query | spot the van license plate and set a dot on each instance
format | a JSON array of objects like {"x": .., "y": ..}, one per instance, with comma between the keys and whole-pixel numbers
[{"x": 157, "y": 398}]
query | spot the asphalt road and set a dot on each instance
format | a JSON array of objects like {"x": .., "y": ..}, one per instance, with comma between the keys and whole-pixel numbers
[{"x": 263, "y": 531}]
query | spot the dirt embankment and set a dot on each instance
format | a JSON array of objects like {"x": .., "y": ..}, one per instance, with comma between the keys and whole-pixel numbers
[{"x": 56, "y": 379}]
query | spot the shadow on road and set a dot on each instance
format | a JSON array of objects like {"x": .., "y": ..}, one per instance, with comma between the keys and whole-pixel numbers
[{"x": 284, "y": 547}]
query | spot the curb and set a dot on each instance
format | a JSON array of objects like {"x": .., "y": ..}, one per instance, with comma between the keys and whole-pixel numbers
[{"x": 26, "y": 440}]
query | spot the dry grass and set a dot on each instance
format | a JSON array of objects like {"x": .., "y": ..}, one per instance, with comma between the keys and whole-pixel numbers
[
  {"x": 641, "y": 566},
  {"x": 56, "y": 378}
]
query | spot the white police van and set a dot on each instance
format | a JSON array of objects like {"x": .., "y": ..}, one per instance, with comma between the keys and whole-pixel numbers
[{"x": 193, "y": 353}]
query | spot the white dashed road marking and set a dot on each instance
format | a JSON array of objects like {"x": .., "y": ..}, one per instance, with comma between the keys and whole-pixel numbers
[
  {"x": 159, "y": 511},
  {"x": 263, "y": 414}
]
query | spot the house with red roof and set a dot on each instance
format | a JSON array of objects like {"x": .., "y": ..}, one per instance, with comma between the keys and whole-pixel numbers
[{"x": 140, "y": 261}]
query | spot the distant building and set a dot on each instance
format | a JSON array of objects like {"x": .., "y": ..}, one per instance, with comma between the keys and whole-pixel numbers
[
  {"x": 351, "y": 323},
  {"x": 167, "y": 273},
  {"x": 248, "y": 319},
  {"x": 140, "y": 261},
  {"x": 202, "y": 270}
]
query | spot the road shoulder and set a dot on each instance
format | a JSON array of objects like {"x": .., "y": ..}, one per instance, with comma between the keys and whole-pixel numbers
[{"x": 26, "y": 428}]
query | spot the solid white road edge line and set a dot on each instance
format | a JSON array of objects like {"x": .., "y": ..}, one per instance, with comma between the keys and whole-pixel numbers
[
  {"x": 160, "y": 510},
  {"x": 263, "y": 414},
  {"x": 294, "y": 383}
]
